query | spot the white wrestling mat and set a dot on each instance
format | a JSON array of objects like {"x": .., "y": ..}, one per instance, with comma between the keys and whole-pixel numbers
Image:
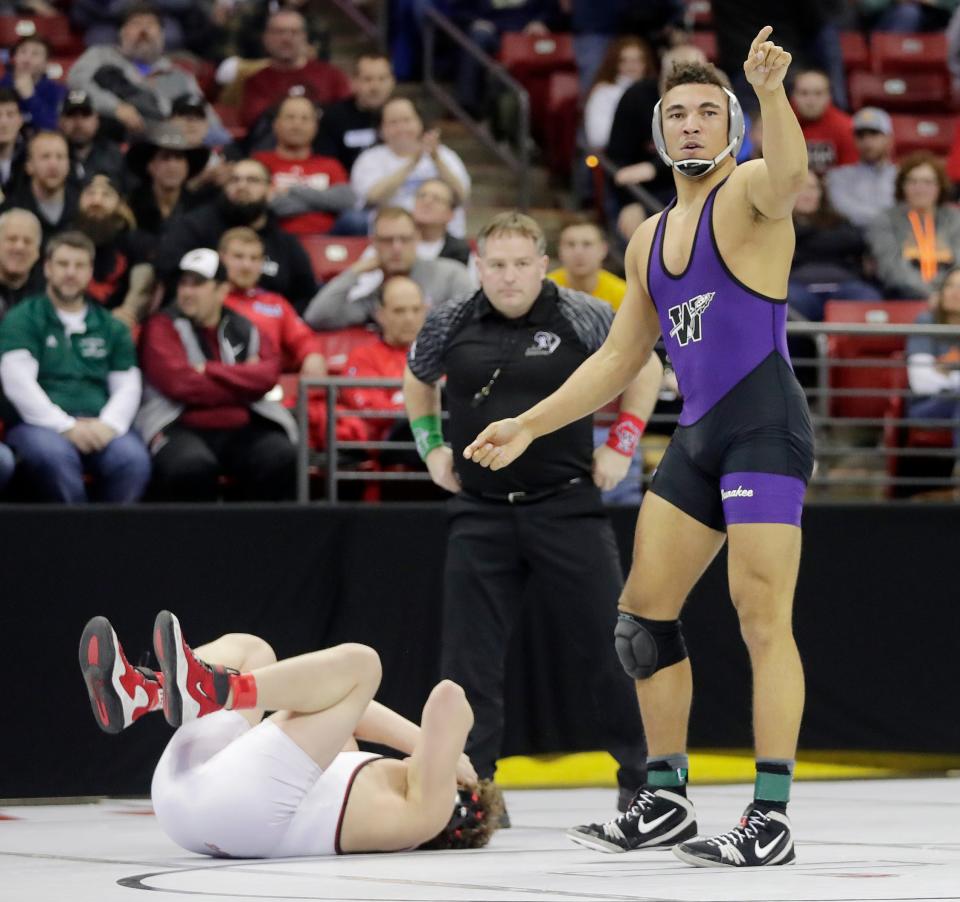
[{"x": 867, "y": 840}]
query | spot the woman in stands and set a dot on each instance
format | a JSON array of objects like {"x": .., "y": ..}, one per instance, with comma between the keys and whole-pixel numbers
[
  {"x": 933, "y": 364},
  {"x": 627, "y": 60},
  {"x": 919, "y": 238},
  {"x": 828, "y": 258},
  {"x": 234, "y": 785}
]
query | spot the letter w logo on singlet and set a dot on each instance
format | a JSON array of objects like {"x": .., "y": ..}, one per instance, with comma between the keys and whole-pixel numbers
[{"x": 686, "y": 318}]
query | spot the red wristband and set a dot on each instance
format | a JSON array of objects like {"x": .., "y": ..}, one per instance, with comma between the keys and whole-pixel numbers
[{"x": 624, "y": 435}]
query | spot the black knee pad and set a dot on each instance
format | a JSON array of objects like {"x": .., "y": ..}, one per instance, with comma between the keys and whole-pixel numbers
[{"x": 646, "y": 646}]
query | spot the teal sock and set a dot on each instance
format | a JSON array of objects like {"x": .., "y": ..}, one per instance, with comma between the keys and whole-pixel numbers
[
  {"x": 772, "y": 786},
  {"x": 669, "y": 772}
]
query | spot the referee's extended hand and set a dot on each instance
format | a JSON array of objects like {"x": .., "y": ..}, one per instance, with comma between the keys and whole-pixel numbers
[{"x": 499, "y": 445}]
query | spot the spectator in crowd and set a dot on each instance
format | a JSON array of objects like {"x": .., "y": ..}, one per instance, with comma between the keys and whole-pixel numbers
[
  {"x": 933, "y": 364},
  {"x": 582, "y": 249},
  {"x": 906, "y": 16},
  {"x": 20, "y": 277},
  {"x": 40, "y": 97},
  {"x": 400, "y": 313},
  {"x": 184, "y": 23},
  {"x": 953, "y": 49},
  {"x": 862, "y": 191},
  {"x": 631, "y": 147},
  {"x": 242, "y": 257},
  {"x": 485, "y": 21},
  {"x": 627, "y": 60},
  {"x": 69, "y": 370},
  {"x": 163, "y": 163},
  {"x": 828, "y": 258},
  {"x": 208, "y": 371},
  {"x": 433, "y": 208},
  {"x": 351, "y": 298},
  {"x": 134, "y": 82},
  {"x": 291, "y": 67},
  {"x": 828, "y": 130},
  {"x": 47, "y": 193},
  {"x": 245, "y": 24},
  {"x": 918, "y": 238},
  {"x": 309, "y": 191},
  {"x": 390, "y": 173},
  {"x": 189, "y": 114},
  {"x": 350, "y": 126},
  {"x": 11, "y": 140},
  {"x": 122, "y": 274},
  {"x": 286, "y": 270},
  {"x": 89, "y": 150}
]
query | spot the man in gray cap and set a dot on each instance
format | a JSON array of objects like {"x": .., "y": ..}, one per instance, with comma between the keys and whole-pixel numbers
[{"x": 861, "y": 191}]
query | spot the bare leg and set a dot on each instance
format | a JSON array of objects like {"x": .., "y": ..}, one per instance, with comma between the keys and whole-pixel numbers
[
  {"x": 320, "y": 697},
  {"x": 671, "y": 553},
  {"x": 763, "y": 564}
]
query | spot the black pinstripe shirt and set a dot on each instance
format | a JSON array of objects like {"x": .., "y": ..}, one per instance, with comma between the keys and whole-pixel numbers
[{"x": 469, "y": 341}]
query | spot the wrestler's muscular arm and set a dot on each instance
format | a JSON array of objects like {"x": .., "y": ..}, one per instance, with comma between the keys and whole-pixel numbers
[
  {"x": 599, "y": 379},
  {"x": 773, "y": 183}
]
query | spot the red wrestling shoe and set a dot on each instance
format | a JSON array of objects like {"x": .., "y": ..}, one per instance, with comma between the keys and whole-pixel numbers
[
  {"x": 119, "y": 693},
  {"x": 192, "y": 688}
]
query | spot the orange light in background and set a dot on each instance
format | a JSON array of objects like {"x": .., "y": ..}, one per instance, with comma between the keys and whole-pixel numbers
[{"x": 592, "y": 161}]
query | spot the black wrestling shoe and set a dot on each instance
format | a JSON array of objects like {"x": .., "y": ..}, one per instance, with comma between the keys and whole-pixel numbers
[
  {"x": 759, "y": 840},
  {"x": 655, "y": 819}
]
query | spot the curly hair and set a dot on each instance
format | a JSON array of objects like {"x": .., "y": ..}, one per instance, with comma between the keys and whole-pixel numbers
[
  {"x": 476, "y": 816},
  {"x": 695, "y": 74}
]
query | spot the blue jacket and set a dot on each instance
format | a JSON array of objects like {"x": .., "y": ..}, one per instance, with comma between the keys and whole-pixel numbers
[{"x": 42, "y": 109}]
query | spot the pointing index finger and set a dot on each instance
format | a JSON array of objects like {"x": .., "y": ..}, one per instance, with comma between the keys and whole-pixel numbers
[{"x": 764, "y": 33}]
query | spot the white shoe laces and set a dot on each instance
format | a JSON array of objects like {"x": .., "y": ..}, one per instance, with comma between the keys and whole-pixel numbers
[{"x": 742, "y": 832}]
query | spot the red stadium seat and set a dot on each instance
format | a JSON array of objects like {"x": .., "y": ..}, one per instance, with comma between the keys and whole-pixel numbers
[
  {"x": 933, "y": 133},
  {"x": 698, "y": 14},
  {"x": 920, "y": 92},
  {"x": 707, "y": 42},
  {"x": 331, "y": 256},
  {"x": 563, "y": 115},
  {"x": 854, "y": 50},
  {"x": 532, "y": 60},
  {"x": 527, "y": 54},
  {"x": 55, "y": 30},
  {"x": 337, "y": 345},
  {"x": 877, "y": 380},
  {"x": 892, "y": 52}
]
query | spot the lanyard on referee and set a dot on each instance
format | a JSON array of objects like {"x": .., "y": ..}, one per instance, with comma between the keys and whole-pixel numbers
[{"x": 509, "y": 346}]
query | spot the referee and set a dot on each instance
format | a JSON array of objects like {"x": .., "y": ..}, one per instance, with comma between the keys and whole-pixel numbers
[{"x": 536, "y": 530}]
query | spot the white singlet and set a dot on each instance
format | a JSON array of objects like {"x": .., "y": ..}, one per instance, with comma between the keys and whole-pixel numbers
[{"x": 222, "y": 788}]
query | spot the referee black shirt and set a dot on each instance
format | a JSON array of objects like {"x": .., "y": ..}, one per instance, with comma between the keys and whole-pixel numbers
[{"x": 469, "y": 340}]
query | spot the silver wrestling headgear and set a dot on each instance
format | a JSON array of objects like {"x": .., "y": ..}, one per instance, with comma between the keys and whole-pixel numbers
[{"x": 696, "y": 169}]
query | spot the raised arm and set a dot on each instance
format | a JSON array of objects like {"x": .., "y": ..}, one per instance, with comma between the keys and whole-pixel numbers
[
  {"x": 776, "y": 180},
  {"x": 598, "y": 380}
]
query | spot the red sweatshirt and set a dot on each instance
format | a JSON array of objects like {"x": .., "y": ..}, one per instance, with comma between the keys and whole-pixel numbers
[
  {"x": 378, "y": 360},
  {"x": 276, "y": 319},
  {"x": 322, "y": 83},
  {"x": 314, "y": 172},
  {"x": 220, "y": 396},
  {"x": 829, "y": 140}
]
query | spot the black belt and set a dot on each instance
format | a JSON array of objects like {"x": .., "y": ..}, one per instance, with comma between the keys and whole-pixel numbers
[{"x": 527, "y": 497}]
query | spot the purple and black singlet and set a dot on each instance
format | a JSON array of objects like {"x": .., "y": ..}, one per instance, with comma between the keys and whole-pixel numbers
[{"x": 743, "y": 449}]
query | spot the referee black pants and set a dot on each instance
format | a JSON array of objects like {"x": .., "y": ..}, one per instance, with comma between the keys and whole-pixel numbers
[{"x": 557, "y": 556}]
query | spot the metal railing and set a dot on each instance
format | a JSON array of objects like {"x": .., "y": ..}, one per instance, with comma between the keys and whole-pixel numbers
[
  {"x": 519, "y": 162},
  {"x": 377, "y": 35},
  {"x": 859, "y": 455},
  {"x": 637, "y": 192}
]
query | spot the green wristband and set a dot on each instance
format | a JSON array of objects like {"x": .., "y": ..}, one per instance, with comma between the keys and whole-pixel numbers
[{"x": 427, "y": 433}]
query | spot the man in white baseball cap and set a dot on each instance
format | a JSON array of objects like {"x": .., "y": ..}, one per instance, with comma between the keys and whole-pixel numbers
[
  {"x": 206, "y": 411},
  {"x": 863, "y": 190}
]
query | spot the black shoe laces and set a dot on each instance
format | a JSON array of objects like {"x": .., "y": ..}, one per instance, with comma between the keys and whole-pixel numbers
[{"x": 756, "y": 821}]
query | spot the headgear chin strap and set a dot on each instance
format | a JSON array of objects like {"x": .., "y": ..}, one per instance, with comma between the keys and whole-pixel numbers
[{"x": 695, "y": 169}]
